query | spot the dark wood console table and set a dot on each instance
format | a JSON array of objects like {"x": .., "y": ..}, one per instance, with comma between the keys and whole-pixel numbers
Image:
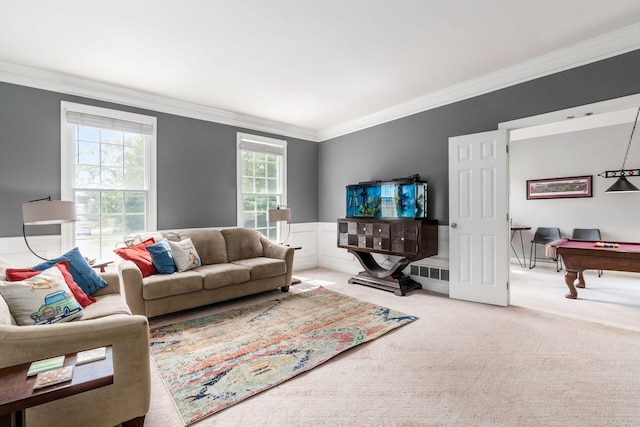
[{"x": 410, "y": 239}]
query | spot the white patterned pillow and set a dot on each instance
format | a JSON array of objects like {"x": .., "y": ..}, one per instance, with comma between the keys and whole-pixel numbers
[
  {"x": 185, "y": 255},
  {"x": 41, "y": 299}
]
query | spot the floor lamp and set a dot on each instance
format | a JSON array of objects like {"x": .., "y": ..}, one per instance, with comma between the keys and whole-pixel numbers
[
  {"x": 46, "y": 211},
  {"x": 280, "y": 213}
]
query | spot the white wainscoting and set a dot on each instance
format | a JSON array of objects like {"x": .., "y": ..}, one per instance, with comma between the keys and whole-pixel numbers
[
  {"x": 318, "y": 248},
  {"x": 14, "y": 251},
  {"x": 305, "y": 237}
]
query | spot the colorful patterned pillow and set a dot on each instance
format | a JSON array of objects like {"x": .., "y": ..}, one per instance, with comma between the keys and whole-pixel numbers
[
  {"x": 83, "y": 274},
  {"x": 41, "y": 299},
  {"x": 17, "y": 274},
  {"x": 140, "y": 257},
  {"x": 185, "y": 255},
  {"x": 161, "y": 257}
]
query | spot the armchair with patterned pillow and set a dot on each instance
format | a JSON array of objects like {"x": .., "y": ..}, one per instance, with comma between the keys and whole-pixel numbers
[{"x": 66, "y": 322}]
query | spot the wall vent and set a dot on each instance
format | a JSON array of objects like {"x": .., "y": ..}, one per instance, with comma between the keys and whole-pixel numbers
[{"x": 434, "y": 273}]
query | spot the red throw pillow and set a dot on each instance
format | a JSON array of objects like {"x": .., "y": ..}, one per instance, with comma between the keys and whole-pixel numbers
[
  {"x": 140, "y": 256},
  {"x": 18, "y": 274}
]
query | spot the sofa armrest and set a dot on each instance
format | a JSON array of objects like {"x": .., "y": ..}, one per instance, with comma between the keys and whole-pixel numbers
[
  {"x": 278, "y": 251},
  {"x": 131, "y": 282}
]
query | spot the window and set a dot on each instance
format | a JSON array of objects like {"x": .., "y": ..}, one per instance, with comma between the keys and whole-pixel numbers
[
  {"x": 108, "y": 169},
  {"x": 261, "y": 182}
]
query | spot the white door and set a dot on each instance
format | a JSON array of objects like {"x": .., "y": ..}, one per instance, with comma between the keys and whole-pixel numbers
[{"x": 478, "y": 218}]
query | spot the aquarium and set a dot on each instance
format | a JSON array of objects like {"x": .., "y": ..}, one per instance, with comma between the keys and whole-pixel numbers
[{"x": 392, "y": 199}]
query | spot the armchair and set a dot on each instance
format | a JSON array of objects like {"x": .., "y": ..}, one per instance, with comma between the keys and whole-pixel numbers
[{"x": 108, "y": 321}]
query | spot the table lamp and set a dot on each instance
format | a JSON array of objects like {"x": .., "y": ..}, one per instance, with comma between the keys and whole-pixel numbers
[
  {"x": 46, "y": 211},
  {"x": 280, "y": 213}
]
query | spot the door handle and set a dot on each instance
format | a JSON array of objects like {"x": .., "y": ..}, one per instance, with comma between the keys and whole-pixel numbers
[{"x": 454, "y": 225}]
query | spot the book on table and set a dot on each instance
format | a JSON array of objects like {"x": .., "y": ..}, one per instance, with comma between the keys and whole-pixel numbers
[
  {"x": 53, "y": 376},
  {"x": 91, "y": 355},
  {"x": 45, "y": 365}
]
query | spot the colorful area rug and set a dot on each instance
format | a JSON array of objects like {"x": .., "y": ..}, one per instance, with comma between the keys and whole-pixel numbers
[{"x": 213, "y": 362}]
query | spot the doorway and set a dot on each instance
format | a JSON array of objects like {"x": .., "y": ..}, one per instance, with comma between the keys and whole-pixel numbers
[
  {"x": 577, "y": 119},
  {"x": 585, "y": 140}
]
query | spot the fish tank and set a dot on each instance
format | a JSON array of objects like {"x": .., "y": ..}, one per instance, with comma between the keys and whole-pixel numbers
[{"x": 392, "y": 199}]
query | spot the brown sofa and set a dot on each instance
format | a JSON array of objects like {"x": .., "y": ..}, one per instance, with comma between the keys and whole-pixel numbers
[
  {"x": 108, "y": 321},
  {"x": 235, "y": 262}
]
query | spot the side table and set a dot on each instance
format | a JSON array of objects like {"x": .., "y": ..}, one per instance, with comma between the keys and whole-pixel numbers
[
  {"x": 295, "y": 281},
  {"x": 101, "y": 265},
  {"x": 518, "y": 229},
  {"x": 17, "y": 393}
]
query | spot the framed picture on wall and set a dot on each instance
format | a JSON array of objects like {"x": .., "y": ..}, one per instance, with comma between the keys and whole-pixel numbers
[{"x": 560, "y": 188}]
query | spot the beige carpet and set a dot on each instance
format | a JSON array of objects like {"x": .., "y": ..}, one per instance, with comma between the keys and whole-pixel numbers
[{"x": 544, "y": 361}]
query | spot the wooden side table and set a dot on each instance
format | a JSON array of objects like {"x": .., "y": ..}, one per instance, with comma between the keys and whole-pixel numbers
[
  {"x": 17, "y": 393},
  {"x": 101, "y": 265}
]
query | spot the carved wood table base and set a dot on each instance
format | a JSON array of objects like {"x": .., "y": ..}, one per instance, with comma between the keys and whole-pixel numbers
[{"x": 392, "y": 279}]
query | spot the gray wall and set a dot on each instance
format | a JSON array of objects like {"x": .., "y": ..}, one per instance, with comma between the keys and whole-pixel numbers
[
  {"x": 196, "y": 163},
  {"x": 418, "y": 143}
]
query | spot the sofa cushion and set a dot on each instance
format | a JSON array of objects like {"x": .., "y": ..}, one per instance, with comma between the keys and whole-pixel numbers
[
  {"x": 41, "y": 299},
  {"x": 140, "y": 257},
  {"x": 165, "y": 285},
  {"x": 83, "y": 274},
  {"x": 242, "y": 243},
  {"x": 17, "y": 274},
  {"x": 262, "y": 267},
  {"x": 5, "y": 314},
  {"x": 106, "y": 305},
  {"x": 134, "y": 239},
  {"x": 219, "y": 275},
  {"x": 209, "y": 243},
  {"x": 185, "y": 255},
  {"x": 161, "y": 256}
]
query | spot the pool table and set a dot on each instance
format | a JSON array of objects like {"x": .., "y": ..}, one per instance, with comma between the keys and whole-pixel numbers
[{"x": 580, "y": 255}]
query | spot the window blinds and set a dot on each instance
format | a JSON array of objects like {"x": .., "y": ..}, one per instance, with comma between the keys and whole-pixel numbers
[
  {"x": 84, "y": 119},
  {"x": 262, "y": 147}
]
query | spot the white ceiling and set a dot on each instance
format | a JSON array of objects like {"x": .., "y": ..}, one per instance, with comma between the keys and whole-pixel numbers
[{"x": 315, "y": 65}]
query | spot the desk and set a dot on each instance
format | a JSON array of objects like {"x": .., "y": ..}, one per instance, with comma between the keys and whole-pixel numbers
[
  {"x": 518, "y": 229},
  {"x": 580, "y": 255},
  {"x": 17, "y": 393}
]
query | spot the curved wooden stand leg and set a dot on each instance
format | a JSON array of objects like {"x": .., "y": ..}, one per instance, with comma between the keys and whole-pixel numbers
[
  {"x": 372, "y": 267},
  {"x": 392, "y": 279},
  {"x": 569, "y": 278}
]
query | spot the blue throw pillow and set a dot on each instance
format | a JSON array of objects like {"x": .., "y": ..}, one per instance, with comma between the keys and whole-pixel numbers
[
  {"x": 161, "y": 257},
  {"x": 83, "y": 274}
]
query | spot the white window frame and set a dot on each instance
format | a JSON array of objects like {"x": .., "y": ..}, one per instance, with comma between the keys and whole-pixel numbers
[
  {"x": 67, "y": 153},
  {"x": 256, "y": 139}
]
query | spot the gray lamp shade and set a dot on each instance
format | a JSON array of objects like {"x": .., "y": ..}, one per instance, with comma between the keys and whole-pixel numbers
[
  {"x": 48, "y": 212},
  {"x": 280, "y": 214}
]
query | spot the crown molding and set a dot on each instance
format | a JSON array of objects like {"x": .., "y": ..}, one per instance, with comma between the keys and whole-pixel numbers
[
  {"x": 612, "y": 44},
  {"x": 615, "y": 43},
  {"x": 62, "y": 83}
]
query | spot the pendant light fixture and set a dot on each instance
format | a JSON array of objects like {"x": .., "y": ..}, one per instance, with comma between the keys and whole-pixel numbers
[{"x": 622, "y": 185}]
